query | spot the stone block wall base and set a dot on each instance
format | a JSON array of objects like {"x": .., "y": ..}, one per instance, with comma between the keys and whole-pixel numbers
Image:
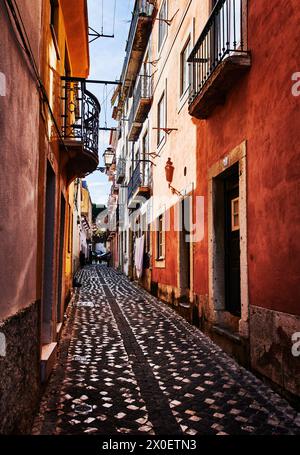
[
  {"x": 233, "y": 344},
  {"x": 272, "y": 347},
  {"x": 20, "y": 387}
]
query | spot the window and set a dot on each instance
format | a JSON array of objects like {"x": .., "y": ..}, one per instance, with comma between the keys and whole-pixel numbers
[
  {"x": 160, "y": 238},
  {"x": 54, "y": 24},
  {"x": 184, "y": 68},
  {"x": 162, "y": 27},
  {"x": 161, "y": 119},
  {"x": 235, "y": 214},
  {"x": 54, "y": 16}
]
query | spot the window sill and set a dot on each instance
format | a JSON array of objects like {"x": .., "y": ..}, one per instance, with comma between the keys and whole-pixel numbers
[{"x": 160, "y": 263}]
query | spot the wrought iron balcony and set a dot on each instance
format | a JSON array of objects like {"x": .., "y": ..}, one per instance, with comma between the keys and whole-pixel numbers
[
  {"x": 139, "y": 33},
  {"x": 121, "y": 169},
  {"x": 219, "y": 57},
  {"x": 140, "y": 183},
  {"x": 80, "y": 113},
  {"x": 142, "y": 100}
]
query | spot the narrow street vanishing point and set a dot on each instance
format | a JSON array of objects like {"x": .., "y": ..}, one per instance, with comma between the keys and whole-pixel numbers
[{"x": 129, "y": 364}]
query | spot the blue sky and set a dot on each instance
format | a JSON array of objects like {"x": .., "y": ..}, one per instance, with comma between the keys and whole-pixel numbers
[{"x": 106, "y": 55}]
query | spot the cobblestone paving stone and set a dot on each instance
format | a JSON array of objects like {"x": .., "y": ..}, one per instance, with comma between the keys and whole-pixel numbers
[{"x": 129, "y": 364}]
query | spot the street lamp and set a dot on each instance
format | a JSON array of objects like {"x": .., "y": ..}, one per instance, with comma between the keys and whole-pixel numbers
[
  {"x": 109, "y": 156},
  {"x": 169, "y": 169}
]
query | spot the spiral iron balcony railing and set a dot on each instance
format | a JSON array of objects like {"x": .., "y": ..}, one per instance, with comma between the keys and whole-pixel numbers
[{"x": 80, "y": 113}]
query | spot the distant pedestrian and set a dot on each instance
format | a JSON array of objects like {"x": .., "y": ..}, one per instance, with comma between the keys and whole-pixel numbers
[{"x": 82, "y": 259}]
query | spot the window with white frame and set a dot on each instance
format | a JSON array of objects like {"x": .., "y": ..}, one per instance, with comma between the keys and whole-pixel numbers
[
  {"x": 160, "y": 238},
  {"x": 161, "y": 119},
  {"x": 184, "y": 67},
  {"x": 162, "y": 25}
]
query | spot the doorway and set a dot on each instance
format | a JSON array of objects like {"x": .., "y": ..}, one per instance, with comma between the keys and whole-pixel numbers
[
  {"x": 228, "y": 240},
  {"x": 185, "y": 246},
  {"x": 49, "y": 241},
  {"x": 232, "y": 242},
  {"x": 61, "y": 258}
]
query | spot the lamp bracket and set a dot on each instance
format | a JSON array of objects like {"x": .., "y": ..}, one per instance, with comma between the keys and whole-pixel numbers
[
  {"x": 167, "y": 21},
  {"x": 166, "y": 130},
  {"x": 174, "y": 191}
]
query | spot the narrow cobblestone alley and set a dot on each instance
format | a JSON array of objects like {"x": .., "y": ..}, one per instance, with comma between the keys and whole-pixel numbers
[{"x": 129, "y": 364}]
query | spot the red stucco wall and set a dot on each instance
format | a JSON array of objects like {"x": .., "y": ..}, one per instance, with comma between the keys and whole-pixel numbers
[{"x": 262, "y": 110}]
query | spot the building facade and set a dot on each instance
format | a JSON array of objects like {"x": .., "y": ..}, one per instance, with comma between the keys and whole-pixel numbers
[
  {"x": 206, "y": 168},
  {"x": 49, "y": 137}
]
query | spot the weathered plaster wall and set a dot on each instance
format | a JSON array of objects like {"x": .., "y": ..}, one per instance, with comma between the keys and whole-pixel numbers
[
  {"x": 19, "y": 166},
  {"x": 262, "y": 111}
]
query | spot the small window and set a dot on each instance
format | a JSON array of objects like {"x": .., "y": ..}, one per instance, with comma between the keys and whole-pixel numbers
[
  {"x": 235, "y": 214},
  {"x": 161, "y": 119},
  {"x": 160, "y": 238},
  {"x": 54, "y": 24},
  {"x": 162, "y": 27},
  {"x": 54, "y": 17},
  {"x": 184, "y": 68}
]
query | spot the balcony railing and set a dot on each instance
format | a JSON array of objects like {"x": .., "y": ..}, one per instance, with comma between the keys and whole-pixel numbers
[
  {"x": 142, "y": 99},
  {"x": 222, "y": 44},
  {"x": 80, "y": 115},
  {"x": 121, "y": 169},
  {"x": 139, "y": 32},
  {"x": 140, "y": 182}
]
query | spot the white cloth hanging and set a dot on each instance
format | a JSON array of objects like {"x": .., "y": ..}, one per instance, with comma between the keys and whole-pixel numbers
[{"x": 139, "y": 255}]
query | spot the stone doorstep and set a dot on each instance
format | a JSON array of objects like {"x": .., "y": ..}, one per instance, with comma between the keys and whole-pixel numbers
[
  {"x": 225, "y": 332},
  {"x": 48, "y": 358},
  {"x": 59, "y": 327}
]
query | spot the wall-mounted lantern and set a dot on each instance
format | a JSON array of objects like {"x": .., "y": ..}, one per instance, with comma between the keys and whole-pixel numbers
[
  {"x": 169, "y": 169},
  {"x": 109, "y": 156}
]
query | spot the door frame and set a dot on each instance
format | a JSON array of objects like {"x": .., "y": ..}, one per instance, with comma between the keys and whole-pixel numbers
[{"x": 215, "y": 265}]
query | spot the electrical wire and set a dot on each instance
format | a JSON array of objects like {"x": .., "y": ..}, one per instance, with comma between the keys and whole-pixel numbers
[{"x": 13, "y": 11}]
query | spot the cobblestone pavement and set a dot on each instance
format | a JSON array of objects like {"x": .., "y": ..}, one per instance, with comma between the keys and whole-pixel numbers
[{"x": 129, "y": 364}]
